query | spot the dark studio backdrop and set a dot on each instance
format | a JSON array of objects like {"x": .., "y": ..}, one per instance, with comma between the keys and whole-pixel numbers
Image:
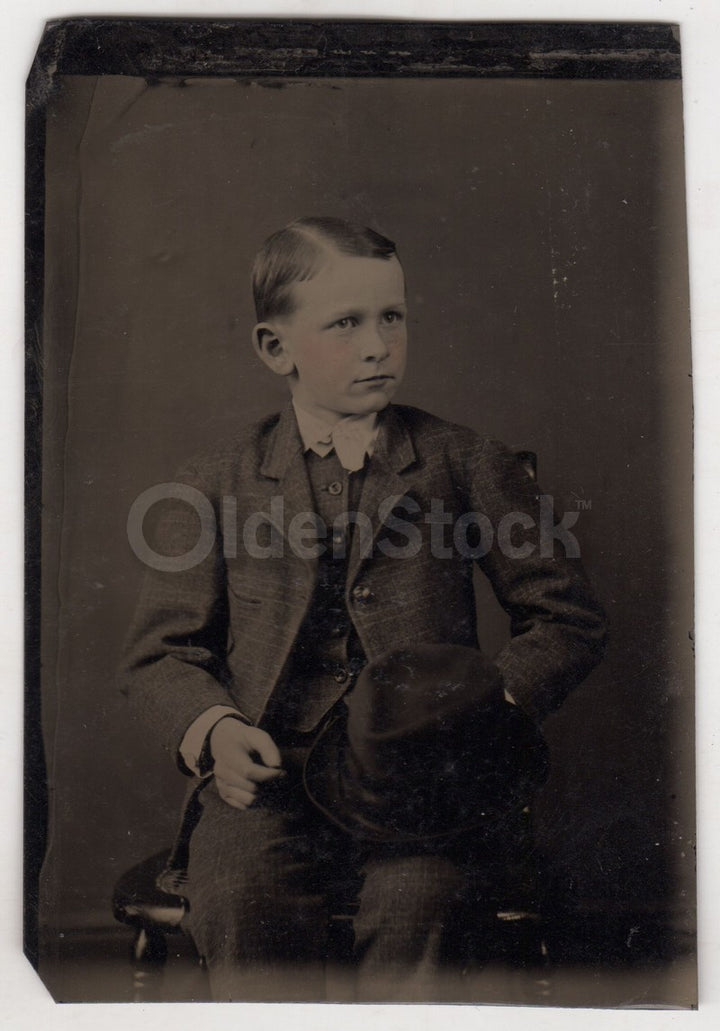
[{"x": 541, "y": 226}]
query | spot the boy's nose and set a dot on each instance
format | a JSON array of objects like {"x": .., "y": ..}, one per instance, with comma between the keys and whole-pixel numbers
[{"x": 373, "y": 346}]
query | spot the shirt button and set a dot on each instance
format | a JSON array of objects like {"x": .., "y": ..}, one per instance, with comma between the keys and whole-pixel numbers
[
  {"x": 342, "y": 676},
  {"x": 335, "y": 488},
  {"x": 361, "y": 593}
]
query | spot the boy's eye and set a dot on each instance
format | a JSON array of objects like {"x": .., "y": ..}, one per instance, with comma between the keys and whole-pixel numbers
[
  {"x": 346, "y": 322},
  {"x": 393, "y": 316}
]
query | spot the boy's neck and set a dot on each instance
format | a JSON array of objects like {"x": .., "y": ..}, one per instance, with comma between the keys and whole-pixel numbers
[{"x": 330, "y": 420}]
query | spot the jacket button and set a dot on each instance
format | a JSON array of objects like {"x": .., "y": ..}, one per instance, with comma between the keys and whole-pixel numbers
[
  {"x": 342, "y": 676},
  {"x": 361, "y": 593},
  {"x": 335, "y": 488}
]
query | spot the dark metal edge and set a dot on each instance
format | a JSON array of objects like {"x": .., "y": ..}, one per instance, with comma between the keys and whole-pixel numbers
[
  {"x": 152, "y": 47},
  {"x": 35, "y": 812}
]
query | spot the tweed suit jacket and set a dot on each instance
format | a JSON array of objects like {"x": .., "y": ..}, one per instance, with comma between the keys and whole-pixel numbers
[{"x": 222, "y": 631}]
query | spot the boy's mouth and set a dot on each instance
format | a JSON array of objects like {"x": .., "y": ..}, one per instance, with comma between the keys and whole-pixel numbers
[{"x": 375, "y": 379}]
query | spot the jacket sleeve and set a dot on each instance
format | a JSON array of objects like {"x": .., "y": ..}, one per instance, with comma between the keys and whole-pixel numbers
[
  {"x": 557, "y": 625},
  {"x": 174, "y": 665}
]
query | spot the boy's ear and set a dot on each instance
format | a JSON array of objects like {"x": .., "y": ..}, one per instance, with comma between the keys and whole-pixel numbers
[{"x": 268, "y": 343}]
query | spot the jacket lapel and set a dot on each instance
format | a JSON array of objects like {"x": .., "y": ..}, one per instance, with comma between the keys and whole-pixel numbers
[
  {"x": 284, "y": 463},
  {"x": 383, "y": 486}
]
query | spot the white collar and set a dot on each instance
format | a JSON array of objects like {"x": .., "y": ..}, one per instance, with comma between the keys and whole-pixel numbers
[{"x": 317, "y": 434}]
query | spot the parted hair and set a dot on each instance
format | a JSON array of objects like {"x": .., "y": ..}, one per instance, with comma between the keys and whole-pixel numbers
[{"x": 294, "y": 254}]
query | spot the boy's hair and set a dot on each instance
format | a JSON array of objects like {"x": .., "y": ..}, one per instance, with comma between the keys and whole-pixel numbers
[{"x": 294, "y": 254}]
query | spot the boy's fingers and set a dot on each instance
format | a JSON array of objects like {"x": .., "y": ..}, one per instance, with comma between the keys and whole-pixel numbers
[
  {"x": 266, "y": 748},
  {"x": 245, "y": 774},
  {"x": 230, "y": 776},
  {"x": 235, "y": 746},
  {"x": 259, "y": 774},
  {"x": 235, "y": 797}
]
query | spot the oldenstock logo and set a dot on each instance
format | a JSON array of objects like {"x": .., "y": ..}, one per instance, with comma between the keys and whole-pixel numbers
[{"x": 265, "y": 534}]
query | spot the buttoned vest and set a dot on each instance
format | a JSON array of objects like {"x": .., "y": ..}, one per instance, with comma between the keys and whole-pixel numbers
[{"x": 327, "y": 655}]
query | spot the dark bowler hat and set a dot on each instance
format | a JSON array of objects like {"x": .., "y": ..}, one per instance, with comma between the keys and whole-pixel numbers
[{"x": 428, "y": 747}]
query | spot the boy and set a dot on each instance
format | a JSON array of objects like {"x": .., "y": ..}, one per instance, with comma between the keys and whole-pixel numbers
[{"x": 347, "y": 528}]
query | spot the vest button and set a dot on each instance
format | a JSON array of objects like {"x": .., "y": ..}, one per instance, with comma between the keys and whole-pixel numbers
[
  {"x": 338, "y": 631},
  {"x": 342, "y": 676},
  {"x": 361, "y": 593},
  {"x": 335, "y": 488}
]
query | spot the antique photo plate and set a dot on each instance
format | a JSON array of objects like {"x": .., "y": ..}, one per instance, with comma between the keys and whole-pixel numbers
[{"x": 533, "y": 179}]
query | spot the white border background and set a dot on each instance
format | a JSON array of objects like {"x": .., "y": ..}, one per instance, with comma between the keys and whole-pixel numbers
[{"x": 24, "y": 1002}]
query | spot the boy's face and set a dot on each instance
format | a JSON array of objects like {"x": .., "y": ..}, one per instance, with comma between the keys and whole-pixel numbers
[{"x": 344, "y": 345}]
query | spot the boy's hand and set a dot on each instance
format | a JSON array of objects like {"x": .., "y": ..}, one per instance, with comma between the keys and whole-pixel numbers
[{"x": 245, "y": 757}]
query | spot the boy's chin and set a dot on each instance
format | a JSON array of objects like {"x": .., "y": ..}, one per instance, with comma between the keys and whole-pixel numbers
[
  {"x": 375, "y": 404},
  {"x": 373, "y": 401}
]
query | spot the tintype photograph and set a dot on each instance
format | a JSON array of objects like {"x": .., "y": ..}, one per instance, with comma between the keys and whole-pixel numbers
[{"x": 359, "y": 436}]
